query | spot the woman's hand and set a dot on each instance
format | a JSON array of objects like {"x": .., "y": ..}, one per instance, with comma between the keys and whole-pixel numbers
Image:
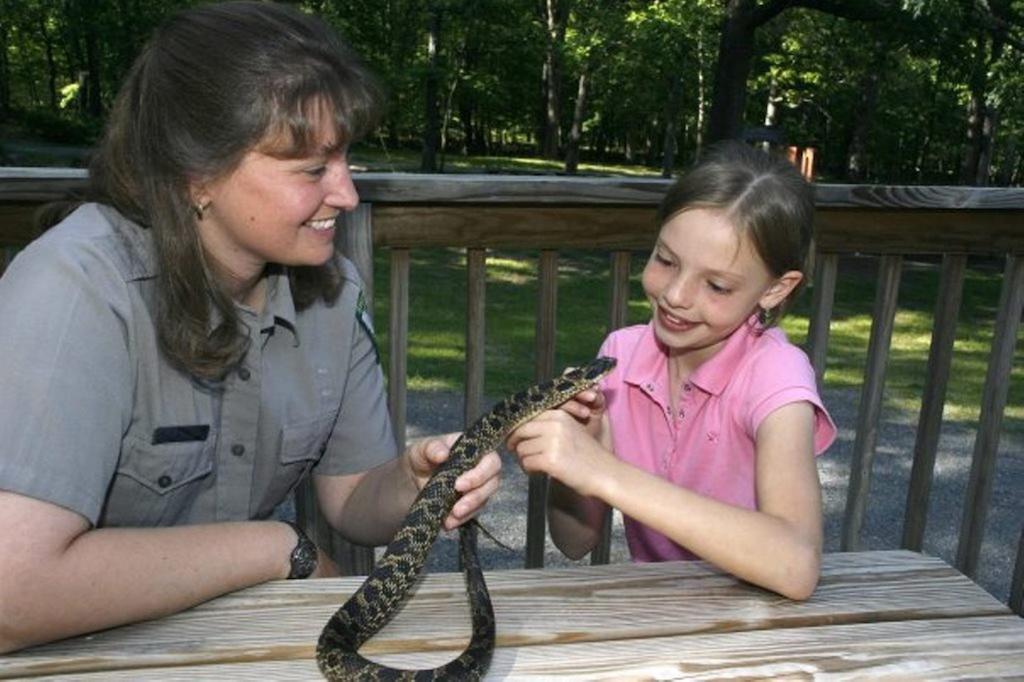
[{"x": 476, "y": 485}]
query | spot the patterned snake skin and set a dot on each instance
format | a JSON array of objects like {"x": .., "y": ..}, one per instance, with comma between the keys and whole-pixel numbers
[{"x": 377, "y": 599}]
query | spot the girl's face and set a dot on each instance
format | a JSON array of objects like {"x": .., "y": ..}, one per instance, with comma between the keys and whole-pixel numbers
[
  {"x": 275, "y": 210},
  {"x": 703, "y": 280}
]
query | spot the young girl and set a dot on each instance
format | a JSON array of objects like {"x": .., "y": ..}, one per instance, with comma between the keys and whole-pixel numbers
[
  {"x": 704, "y": 435},
  {"x": 181, "y": 352}
]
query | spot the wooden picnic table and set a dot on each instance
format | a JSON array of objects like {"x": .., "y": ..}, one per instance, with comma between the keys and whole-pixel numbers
[{"x": 894, "y": 614}]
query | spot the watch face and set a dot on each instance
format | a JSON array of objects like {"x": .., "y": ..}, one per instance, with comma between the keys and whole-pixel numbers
[
  {"x": 303, "y": 557},
  {"x": 304, "y": 560}
]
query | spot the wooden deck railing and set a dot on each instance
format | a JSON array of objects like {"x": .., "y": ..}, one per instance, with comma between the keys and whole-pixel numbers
[{"x": 402, "y": 212}]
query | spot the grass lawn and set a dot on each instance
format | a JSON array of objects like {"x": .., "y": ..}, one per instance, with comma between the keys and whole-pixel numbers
[{"x": 437, "y": 301}]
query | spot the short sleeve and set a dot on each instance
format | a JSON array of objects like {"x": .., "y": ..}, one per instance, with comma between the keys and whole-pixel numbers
[
  {"x": 784, "y": 375},
  {"x": 362, "y": 437},
  {"x": 66, "y": 376}
]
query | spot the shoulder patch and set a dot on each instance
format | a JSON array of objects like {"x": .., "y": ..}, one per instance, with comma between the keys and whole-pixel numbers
[{"x": 363, "y": 318}]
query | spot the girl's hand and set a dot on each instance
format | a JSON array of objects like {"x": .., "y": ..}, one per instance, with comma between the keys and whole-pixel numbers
[
  {"x": 588, "y": 409},
  {"x": 557, "y": 444},
  {"x": 476, "y": 485}
]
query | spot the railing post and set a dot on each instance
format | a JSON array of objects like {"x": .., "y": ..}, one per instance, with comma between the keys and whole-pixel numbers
[
  {"x": 547, "y": 308},
  {"x": 826, "y": 268},
  {"x": 1016, "y": 601},
  {"x": 871, "y": 400},
  {"x": 936, "y": 378},
  {"x": 993, "y": 403},
  {"x": 476, "y": 290},
  {"x": 618, "y": 311},
  {"x": 398, "y": 342}
]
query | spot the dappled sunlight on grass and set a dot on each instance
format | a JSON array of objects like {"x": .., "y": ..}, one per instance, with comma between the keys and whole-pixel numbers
[{"x": 437, "y": 324}]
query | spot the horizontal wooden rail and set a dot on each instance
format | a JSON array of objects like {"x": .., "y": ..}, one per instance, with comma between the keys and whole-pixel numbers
[{"x": 401, "y": 212}]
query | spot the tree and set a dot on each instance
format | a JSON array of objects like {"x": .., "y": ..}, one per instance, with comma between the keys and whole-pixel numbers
[
  {"x": 736, "y": 51},
  {"x": 555, "y": 14}
]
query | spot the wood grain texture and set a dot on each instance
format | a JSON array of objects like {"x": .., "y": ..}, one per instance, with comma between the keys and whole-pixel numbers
[
  {"x": 936, "y": 378},
  {"x": 973, "y": 648},
  {"x": 47, "y": 184},
  {"x": 544, "y": 352},
  {"x": 869, "y": 413},
  {"x": 611, "y": 606},
  {"x": 990, "y": 421},
  {"x": 826, "y": 269},
  {"x": 398, "y": 340},
  {"x": 476, "y": 292}
]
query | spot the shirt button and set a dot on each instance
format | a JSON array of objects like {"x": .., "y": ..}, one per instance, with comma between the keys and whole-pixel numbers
[
  {"x": 687, "y": 387},
  {"x": 164, "y": 481},
  {"x": 237, "y": 449},
  {"x": 244, "y": 374}
]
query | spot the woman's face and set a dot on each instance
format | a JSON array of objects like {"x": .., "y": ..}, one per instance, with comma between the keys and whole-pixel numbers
[
  {"x": 275, "y": 210},
  {"x": 703, "y": 280}
]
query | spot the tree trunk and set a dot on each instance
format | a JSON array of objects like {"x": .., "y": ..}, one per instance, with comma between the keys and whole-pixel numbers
[
  {"x": 1008, "y": 163},
  {"x": 572, "y": 152},
  {"x": 975, "y": 120},
  {"x": 432, "y": 131},
  {"x": 556, "y": 15},
  {"x": 5, "y": 74},
  {"x": 672, "y": 111},
  {"x": 93, "y": 78},
  {"x": 870, "y": 84},
  {"x": 729, "y": 95}
]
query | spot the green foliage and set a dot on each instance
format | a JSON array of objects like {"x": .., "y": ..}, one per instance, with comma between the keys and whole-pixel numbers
[{"x": 650, "y": 64}]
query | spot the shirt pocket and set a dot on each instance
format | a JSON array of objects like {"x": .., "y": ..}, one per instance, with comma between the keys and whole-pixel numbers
[
  {"x": 157, "y": 485},
  {"x": 302, "y": 445}
]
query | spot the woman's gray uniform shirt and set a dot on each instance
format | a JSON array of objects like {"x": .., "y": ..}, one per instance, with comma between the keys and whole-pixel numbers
[{"x": 94, "y": 419}]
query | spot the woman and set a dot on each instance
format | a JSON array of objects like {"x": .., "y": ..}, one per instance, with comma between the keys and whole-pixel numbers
[{"x": 180, "y": 352}]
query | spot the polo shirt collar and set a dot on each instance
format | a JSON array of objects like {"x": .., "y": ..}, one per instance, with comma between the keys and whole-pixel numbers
[
  {"x": 648, "y": 367},
  {"x": 716, "y": 372}
]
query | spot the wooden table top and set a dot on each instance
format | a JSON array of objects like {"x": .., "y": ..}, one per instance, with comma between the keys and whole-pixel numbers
[{"x": 893, "y": 614}]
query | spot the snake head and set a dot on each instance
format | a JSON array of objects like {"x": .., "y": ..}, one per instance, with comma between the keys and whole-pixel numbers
[{"x": 591, "y": 372}]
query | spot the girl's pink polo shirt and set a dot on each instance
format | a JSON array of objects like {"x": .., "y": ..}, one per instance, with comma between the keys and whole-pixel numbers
[{"x": 708, "y": 446}]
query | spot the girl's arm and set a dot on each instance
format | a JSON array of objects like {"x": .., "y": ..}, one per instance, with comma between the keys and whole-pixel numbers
[{"x": 777, "y": 546}]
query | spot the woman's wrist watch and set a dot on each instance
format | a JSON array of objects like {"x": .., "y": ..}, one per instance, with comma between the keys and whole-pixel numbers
[{"x": 304, "y": 556}]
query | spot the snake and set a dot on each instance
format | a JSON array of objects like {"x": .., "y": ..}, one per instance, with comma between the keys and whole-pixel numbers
[{"x": 385, "y": 589}]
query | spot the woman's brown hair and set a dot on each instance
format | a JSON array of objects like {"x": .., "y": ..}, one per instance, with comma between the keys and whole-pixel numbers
[{"x": 212, "y": 83}]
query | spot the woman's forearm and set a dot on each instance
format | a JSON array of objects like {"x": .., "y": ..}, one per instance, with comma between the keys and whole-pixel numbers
[{"x": 112, "y": 576}]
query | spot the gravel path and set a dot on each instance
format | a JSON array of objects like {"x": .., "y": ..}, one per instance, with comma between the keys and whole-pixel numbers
[{"x": 432, "y": 412}]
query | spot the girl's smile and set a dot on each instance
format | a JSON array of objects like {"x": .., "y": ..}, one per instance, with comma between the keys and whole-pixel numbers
[{"x": 703, "y": 280}]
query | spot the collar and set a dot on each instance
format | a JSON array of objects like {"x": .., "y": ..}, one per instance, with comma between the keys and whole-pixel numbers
[
  {"x": 279, "y": 306},
  {"x": 137, "y": 253},
  {"x": 648, "y": 366}
]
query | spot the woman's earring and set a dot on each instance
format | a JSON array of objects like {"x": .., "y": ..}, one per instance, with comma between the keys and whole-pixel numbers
[
  {"x": 764, "y": 316},
  {"x": 199, "y": 209}
]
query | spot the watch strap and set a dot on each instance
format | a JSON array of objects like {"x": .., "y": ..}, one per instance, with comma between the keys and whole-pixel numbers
[{"x": 303, "y": 558}]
